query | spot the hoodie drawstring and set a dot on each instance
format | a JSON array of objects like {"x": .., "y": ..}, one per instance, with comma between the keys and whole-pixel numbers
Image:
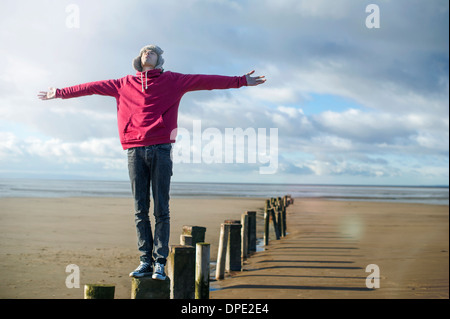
[{"x": 142, "y": 82}]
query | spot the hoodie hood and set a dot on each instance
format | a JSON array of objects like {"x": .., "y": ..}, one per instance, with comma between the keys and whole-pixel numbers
[{"x": 137, "y": 65}]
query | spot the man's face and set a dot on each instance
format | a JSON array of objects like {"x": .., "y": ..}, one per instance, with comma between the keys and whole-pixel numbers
[{"x": 149, "y": 58}]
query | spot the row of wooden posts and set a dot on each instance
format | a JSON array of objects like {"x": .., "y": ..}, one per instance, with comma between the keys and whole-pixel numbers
[{"x": 188, "y": 264}]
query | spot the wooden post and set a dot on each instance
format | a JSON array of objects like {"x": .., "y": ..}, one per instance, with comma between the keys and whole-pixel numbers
[
  {"x": 197, "y": 233},
  {"x": 232, "y": 221},
  {"x": 186, "y": 240},
  {"x": 233, "y": 261},
  {"x": 98, "y": 291},
  {"x": 279, "y": 221},
  {"x": 286, "y": 205},
  {"x": 266, "y": 222},
  {"x": 148, "y": 288},
  {"x": 222, "y": 252},
  {"x": 202, "y": 271},
  {"x": 272, "y": 201},
  {"x": 274, "y": 222},
  {"x": 251, "y": 232},
  {"x": 181, "y": 271},
  {"x": 280, "y": 210},
  {"x": 244, "y": 236},
  {"x": 283, "y": 217}
]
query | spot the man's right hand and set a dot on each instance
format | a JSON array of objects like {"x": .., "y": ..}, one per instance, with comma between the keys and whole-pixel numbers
[{"x": 47, "y": 95}]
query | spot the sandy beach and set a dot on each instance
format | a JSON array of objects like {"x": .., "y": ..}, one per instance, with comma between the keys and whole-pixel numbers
[
  {"x": 325, "y": 254},
  {"x": 41, "y": 236},
  {"x": 330, "y": 244}
]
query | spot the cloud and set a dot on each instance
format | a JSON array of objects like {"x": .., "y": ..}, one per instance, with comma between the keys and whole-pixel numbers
[{"x": 395, "y": 79}]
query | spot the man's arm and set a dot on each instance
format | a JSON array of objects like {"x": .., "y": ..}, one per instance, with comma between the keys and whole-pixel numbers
[
  {"x": 107, "y": 87},
  {"x": 196, "y": 82}
]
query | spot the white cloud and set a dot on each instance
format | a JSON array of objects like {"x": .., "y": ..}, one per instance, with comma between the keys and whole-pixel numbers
[
  {"x": 106, "y": 151},
  {"x": 396, "y": 78}
]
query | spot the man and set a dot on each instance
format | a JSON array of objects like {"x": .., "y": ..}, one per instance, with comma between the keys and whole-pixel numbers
[{"x": 147, "y": 112}]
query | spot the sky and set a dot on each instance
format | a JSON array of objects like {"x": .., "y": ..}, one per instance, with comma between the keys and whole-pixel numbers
[{"x": 352, "y": 96}]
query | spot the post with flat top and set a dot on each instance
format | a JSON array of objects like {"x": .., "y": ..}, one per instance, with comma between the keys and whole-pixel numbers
[
  {"x": 274, "y": 222},
  {"x": 186, "y": 240},
  {"x": 202, "y": 271},
  {"x": 197, "y": 233},
  {"x": 233, "y": 261},
  {"x": 222, "y": 251},
  {"x": 148, "y": 288},
  {"x": 99, "y": 291},
  {"x": 244, "y": 236},
  {"x": 283, "y": 215},
  {"x": 181, "y": 271},
  {"x": 266, "y": 222},
  {"x": 279, "y": 221},
  {"x": 251, "y": 231}
]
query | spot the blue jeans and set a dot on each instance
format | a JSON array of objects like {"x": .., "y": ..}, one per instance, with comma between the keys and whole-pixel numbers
[{"x": 150, "y": 169}]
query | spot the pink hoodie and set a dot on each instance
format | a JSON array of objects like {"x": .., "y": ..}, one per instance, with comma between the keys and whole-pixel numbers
[{"x": 147, "y": 104}]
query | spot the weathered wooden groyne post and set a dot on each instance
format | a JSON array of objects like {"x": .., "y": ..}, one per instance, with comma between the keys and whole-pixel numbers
[
  {"x": 233, "y": 260},
  {"x": 196, "y": 232},
  {"x": 202, "y": 271},
  {"x": 273, "y": 216},
  {"x": 244, "y": 236},
  {"x": 222, "y": 251},
  {"x": 148, "y": 288},
  {"x": 266, "y": 222},
  {"x": 181, "y": 271},
  {"x": 185, "y": 240},
  {"x": 285, "y": 205},
  {"x": 99, "y": 291},
  {"x": 251, "y": 231},
  {"x": 275, "y": 211}
]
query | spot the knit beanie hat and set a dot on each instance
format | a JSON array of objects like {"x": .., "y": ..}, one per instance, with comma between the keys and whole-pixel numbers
[{"x": 137, "y": 61}]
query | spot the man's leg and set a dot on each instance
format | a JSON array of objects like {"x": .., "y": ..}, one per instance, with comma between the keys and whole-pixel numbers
[
  {"x": 161, "y": 175},
  {"x": 140, "y": 184}
]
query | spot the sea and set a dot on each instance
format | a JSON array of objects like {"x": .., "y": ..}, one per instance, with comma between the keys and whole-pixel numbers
[{"x": 436, "y": 195}]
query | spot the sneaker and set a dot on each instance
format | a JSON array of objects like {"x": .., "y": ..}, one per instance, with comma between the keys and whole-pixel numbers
[
  {"x": 158, "y": 272},
  {"x": 144, "y": 269}
]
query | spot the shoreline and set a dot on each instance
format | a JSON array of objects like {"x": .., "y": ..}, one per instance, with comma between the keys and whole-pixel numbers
[
  {"x": 231, "y": 197},
  {"x": 44, "y": 235},
  {"x": 121, "y": 189}
]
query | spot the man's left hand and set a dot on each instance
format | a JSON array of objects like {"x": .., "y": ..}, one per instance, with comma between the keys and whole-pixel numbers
[{"x": 254, "y": 80}]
